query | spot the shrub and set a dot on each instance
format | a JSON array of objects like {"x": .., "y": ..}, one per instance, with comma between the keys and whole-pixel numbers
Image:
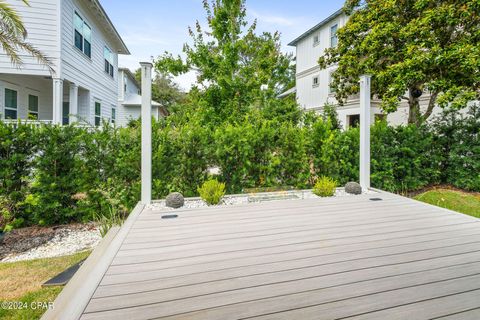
[
  {"x": 325, "y": 187},
  {"x": 212, "y": 191}
]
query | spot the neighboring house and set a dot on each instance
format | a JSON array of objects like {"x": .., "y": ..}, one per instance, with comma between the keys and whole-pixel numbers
[
  {"x": 313, "y": 84},
  {"x": 84, "y": 45},
  {"x": 130, "y": 100}
]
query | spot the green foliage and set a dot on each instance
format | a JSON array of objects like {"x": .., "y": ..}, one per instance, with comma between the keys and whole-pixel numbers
[
  {"x": 237, "y": 69},
  {"x": 409, "y": 46},
  {"x": 164, "y": 89},
  {"x": 458, "y": 139},
  {"x": 60, "y": 174},
  {"x": 17, "y": 145},
  {"x": 324, "y": 187},
  {"x": 55, "y": 177},
  {"x": 212, "y": 191}
]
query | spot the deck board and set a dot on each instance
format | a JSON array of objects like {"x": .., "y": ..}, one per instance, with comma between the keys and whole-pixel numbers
[{"x": 330, "y": 258}]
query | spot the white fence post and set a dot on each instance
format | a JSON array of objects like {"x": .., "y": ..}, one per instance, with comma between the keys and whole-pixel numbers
[
  {"x": 365, "y": 131},
  {"x": 146, "y": 132}
]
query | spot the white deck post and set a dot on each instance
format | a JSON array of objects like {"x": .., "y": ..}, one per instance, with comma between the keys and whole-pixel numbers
[
  {"x": 146, "y": 132},
  {"x": 73, "y": 103},
  {"x": 365, "y": 131},
  {"x": 57, "y": 107}
]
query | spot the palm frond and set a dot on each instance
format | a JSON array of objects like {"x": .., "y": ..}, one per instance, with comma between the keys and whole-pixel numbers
[{"x": 13, "y": 35}]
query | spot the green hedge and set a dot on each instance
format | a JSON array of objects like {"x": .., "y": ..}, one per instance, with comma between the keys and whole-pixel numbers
[{"x": 59, "y": 174}]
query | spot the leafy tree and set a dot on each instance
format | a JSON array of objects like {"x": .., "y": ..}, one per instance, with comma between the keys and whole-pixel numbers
[
  {"x": 13, "y": 35},
  {"x": 409, "y": 47},
  {"x": 237, "y": 69},
  {"x": 164, "y": 89}
]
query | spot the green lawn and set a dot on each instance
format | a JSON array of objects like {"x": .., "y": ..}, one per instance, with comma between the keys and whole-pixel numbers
[
  {"x": 21, "y": 282},
  {"x": 463, "y": 202}
]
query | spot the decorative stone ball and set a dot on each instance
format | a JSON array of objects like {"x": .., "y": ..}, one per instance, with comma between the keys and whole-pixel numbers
[
  {"x": 174, "y": 200},
  {"x": 353, "y": 188}
]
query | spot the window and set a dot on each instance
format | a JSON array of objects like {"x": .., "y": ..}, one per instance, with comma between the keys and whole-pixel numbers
[
  {"x": 108, "y": 57},
  {"x": 333, "y": 36},
  {"x": 353, "y": 120},
  {"x": 65, "y": 113},
  {"x": 315, "y": 81},
  {"x": 10, "y": 104},
  {"x": 331, "y": 89},
  {"x": 125, "y": 84},
  {"x": 98, "y": 113},
  {"x": 83, "y": 35},
  {"x": 315, "y": 40},
  {"x": 32, "y": 107},
  {"x": 114, "y": 115}
]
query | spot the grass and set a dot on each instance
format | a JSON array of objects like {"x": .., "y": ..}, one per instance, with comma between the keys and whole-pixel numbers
[
  {"x": 456, "y": 200},
  {"x": 21, "y": 281}
]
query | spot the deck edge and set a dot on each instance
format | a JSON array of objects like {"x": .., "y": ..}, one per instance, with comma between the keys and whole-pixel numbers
[{"x": 73, "y": 299}]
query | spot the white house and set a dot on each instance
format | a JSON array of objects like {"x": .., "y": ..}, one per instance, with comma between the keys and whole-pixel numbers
[
  {"x": 130, "y": 100},
  {"x": 313, "y": 84},
  {"x": 84, "y": 45}
]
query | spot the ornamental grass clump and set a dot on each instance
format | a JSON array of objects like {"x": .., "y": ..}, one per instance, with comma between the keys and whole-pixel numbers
[
  {"x": 212, "y": 191},
  {"x": 325, "y": 187}
]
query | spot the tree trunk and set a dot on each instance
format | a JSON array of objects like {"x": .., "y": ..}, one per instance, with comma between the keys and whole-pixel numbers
[{"x": 414, "y": 116}]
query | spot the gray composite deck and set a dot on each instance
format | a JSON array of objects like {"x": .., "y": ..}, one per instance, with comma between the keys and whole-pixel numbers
[{"x": 332, "y": 258}]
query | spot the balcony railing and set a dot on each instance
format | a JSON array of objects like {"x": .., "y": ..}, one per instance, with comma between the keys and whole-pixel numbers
[{"x": 36, "y": 123}]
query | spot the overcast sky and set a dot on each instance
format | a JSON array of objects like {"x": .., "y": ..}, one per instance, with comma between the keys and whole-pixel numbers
[{"x": 151, "y": 27}]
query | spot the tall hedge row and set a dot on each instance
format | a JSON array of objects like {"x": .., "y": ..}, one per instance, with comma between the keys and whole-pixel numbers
[{"x": 59, "y": 174}]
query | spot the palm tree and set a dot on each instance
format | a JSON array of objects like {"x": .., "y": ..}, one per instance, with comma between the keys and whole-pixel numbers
[{"x": 13, "y": 35}]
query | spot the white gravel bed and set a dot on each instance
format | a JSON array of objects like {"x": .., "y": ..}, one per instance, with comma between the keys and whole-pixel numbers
[
  {"x": 66, "y": 242},
  {"x": 191, "y": 203}
]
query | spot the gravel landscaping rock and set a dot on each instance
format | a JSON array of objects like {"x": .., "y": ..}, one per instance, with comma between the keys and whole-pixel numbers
[
  {"x": 229, "y": 200},
  {"x": 353, "y": 188},
  {"x": 175, "y": 200},
  {"x": 36, "y": 242}
]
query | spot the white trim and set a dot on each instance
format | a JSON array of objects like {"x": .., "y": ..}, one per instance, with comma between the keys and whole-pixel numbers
[{"x": 365, "y": 110}]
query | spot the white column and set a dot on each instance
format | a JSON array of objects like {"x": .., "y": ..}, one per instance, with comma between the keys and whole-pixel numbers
[
  {"x": 73, "y": 103},
  {"x": 146, "y": 132},
  {"x": 365, "y": 131},
  {"x": 57, "y": 104}
]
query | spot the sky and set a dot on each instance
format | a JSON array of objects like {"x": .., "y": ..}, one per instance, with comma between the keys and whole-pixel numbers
[{"x": 151, "y": 27}]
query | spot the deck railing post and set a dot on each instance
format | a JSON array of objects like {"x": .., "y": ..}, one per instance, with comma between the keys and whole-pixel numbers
[
  {"x": 365, "y": 131},
  {"x": 146, "y": 132}
]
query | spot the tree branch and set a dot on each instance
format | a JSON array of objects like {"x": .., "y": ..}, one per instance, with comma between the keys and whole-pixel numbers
[{"x": 431, "y": 105}]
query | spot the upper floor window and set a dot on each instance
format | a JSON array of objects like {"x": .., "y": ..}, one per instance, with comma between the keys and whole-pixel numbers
[
  {"x": 32, "y": 107},
  {"x": 10, "y": 104},
  {"x": 315, "y": 81},
  {"x": 108, "y": 58},
  {"x": 98, "y": 113},
  {"x": 333, "y": 35},
  {"x": 125, "y": 84},
  {"x": 315, "y": 40},
  {"x": 83, "y": 35}
]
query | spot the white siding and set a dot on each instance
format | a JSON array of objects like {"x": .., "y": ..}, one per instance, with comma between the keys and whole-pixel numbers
[
  {"x": 40, "y": 19},
  {"x": 308, "y": 53},
  {"x": 88, "y": 73},
  {"x": 128, "y": 113}
]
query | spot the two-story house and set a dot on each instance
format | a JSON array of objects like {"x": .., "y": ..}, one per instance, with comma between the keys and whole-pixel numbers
[
  {"x": 83, "y": 45},
  {"x": 313, "y": 89},
  {"x": 130, "y": 100}
]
